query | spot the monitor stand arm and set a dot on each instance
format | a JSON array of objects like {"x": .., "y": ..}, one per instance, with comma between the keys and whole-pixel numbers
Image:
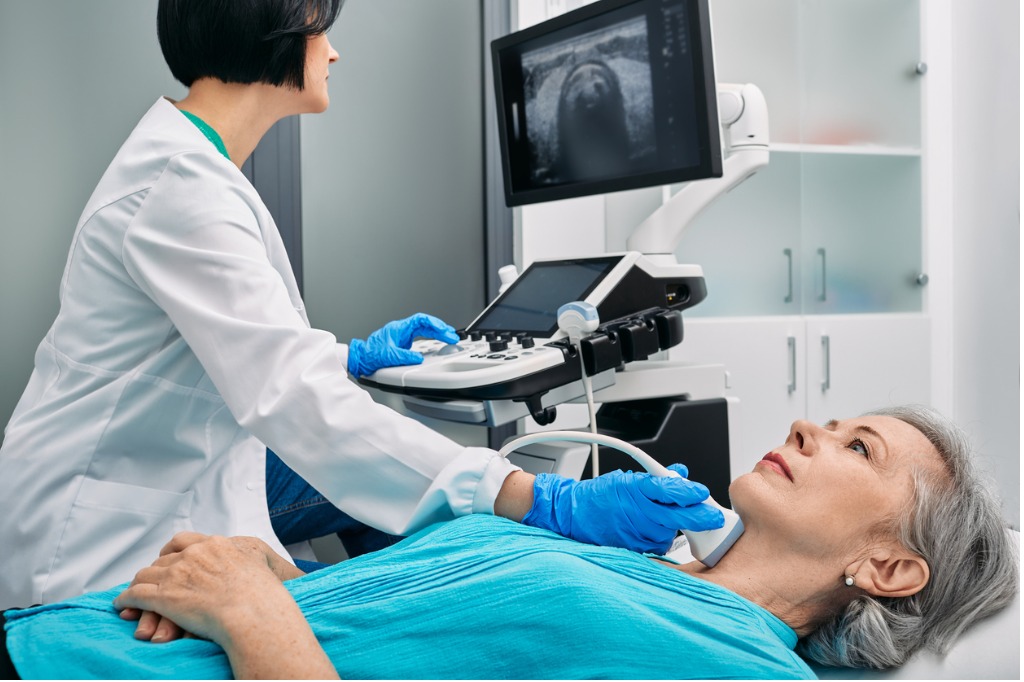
[{"x": 744, "y": 121}]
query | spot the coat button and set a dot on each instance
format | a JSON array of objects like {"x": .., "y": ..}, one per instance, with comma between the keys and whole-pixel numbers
[{"x": 250, "y": 485}]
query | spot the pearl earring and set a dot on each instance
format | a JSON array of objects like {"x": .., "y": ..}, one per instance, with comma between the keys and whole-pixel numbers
[{"x": 849, "y": 580}]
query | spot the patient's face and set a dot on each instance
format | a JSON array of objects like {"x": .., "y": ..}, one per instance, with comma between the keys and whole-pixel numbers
[{"x": 827, "y": 488}]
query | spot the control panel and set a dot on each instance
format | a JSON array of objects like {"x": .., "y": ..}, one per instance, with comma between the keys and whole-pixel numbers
[{"x": 515, "y": 351}]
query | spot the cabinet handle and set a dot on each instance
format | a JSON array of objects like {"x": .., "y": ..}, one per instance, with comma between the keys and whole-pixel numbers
[
  {"x": 791, "y": 342},
  {"x": 788, "y": 253},
  {"x": 823, "y": 295},
  {"x": 826, "y": 363}
]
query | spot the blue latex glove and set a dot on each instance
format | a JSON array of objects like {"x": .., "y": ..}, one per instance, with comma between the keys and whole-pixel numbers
[
  {"x": 636, "y": 511},
  {"x": 389, "y": 346}
]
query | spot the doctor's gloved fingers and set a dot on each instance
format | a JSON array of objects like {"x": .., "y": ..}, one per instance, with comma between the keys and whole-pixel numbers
[
  {"x": 400, "y": 356},
  {"x": 366, "y": 358},
  {"x": 403, "y": 332},
  {"x": 435, "y": 328},
  {"x": 680, "y": 469},
  {"x": 697, "y": 517},
  {"x": 671, "y": 490}
]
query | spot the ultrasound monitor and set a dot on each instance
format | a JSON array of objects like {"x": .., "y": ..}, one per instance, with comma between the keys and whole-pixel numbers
[{"x": 618, "y": 94}]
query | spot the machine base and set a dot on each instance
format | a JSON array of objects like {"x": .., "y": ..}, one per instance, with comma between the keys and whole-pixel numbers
[{"x": 693, "y": 432}]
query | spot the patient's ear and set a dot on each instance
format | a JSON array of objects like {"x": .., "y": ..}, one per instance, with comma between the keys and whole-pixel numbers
[{"x": 892, "y": 573}]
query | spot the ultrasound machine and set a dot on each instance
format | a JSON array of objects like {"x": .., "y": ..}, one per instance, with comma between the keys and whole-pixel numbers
[{"x": 616, "y": 95}]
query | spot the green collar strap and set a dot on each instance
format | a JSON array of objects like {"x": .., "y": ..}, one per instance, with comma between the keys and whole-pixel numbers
[{"x": 209, "y": 132}]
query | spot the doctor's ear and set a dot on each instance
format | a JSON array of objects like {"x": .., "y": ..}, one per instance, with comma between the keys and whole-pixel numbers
[{"x": 890, "y": 573}]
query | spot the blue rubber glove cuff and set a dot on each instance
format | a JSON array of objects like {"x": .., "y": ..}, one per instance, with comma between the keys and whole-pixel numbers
[
  {"x": 636, "y": 511},
  {"x": 389, "y": 346}
]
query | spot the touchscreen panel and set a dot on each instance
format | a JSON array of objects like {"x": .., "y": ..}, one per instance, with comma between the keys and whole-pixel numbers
[{"x": 531, "y": 304}]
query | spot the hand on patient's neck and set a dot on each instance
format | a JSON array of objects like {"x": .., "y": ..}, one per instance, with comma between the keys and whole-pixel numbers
[{"x": 240, "y": 113}]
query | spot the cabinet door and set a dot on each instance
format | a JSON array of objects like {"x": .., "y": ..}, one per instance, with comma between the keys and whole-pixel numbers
[
  {"x": 857, "y": 363},
  {"x": 748, "y": 243},
  {"x": 862, "y": 246},
  {"x": 764, "y": 361}
]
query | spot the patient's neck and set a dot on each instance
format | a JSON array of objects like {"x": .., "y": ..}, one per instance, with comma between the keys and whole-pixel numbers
[{"x": 800, "y": 591}]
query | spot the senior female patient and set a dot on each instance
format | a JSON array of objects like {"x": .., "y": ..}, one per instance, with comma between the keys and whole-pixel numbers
[{"x": 866, "y": 539}]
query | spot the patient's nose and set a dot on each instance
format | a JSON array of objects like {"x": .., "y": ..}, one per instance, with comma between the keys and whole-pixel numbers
[{"x": 803, "y": 434}]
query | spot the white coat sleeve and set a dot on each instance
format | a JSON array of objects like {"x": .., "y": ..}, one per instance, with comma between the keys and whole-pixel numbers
[{"x": 195, "y": 249}]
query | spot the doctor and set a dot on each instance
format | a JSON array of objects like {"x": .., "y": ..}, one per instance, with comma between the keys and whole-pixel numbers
[{"x": 182, "y": 351}]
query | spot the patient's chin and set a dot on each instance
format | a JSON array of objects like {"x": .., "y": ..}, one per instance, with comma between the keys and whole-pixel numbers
[
  {"x": 751, "y": 496},
  {"x": 743, "y": 485}
]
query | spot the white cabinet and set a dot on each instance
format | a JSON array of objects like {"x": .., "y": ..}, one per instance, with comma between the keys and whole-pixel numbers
[
  {"x": 817, "y": 267},
  {"x": 856, "y": 363},
  {"x": 835, "y": 223},
  {"x": 788, "y": 367}
]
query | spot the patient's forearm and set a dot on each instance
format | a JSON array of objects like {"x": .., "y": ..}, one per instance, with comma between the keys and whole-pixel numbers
[
  {"x": 279, "y": 645},
  {"x": 515, "y": 497}
]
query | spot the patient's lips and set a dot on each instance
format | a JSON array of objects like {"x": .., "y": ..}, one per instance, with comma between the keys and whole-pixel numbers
[{"x": 775, "y": 461}]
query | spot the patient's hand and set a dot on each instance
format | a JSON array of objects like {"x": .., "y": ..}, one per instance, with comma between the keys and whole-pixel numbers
[
  {"x": 227, "y": 591},
  {"x": 156, "y": 628},
  {"x": 281, "y": 567}
]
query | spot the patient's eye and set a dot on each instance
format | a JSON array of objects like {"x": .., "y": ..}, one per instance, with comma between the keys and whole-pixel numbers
[{"x": 860, "y": 447}]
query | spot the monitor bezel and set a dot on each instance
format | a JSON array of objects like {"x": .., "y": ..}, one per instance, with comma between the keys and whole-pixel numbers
[{"x": 710, "y": 165}]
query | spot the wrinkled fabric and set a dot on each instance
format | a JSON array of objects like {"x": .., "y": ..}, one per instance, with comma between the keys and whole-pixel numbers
[{"x": 477, "y": 598}]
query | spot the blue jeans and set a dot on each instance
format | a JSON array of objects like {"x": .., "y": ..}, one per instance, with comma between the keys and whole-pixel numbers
[{"x": 299, "y": 513}]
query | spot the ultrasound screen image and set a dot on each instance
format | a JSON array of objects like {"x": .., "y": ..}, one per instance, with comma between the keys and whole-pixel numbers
[
  {"x": 614, "y": 95},
  {"x": 589, "y": 105}
]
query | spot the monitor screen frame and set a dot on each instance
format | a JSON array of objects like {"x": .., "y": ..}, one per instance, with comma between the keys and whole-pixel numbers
[{"x": 504, "y": 57}]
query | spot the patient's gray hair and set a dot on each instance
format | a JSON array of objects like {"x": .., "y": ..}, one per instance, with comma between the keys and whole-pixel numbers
[{"x": 957, "y": 527}]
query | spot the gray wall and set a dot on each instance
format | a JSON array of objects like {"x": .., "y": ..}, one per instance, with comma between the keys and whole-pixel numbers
[
  {"x": 392, "y": 173},
  {"x": 392, "y": 178},
  {"x": 75, "y": 77}
]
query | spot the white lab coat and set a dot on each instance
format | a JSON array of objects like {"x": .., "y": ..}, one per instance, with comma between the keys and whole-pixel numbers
[{"x": 180, "y": 351}]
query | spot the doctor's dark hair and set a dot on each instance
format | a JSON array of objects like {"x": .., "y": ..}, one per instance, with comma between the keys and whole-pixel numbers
[
  {"x": 241, "y": 41},
  {"x": 954, "y": 522}
]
